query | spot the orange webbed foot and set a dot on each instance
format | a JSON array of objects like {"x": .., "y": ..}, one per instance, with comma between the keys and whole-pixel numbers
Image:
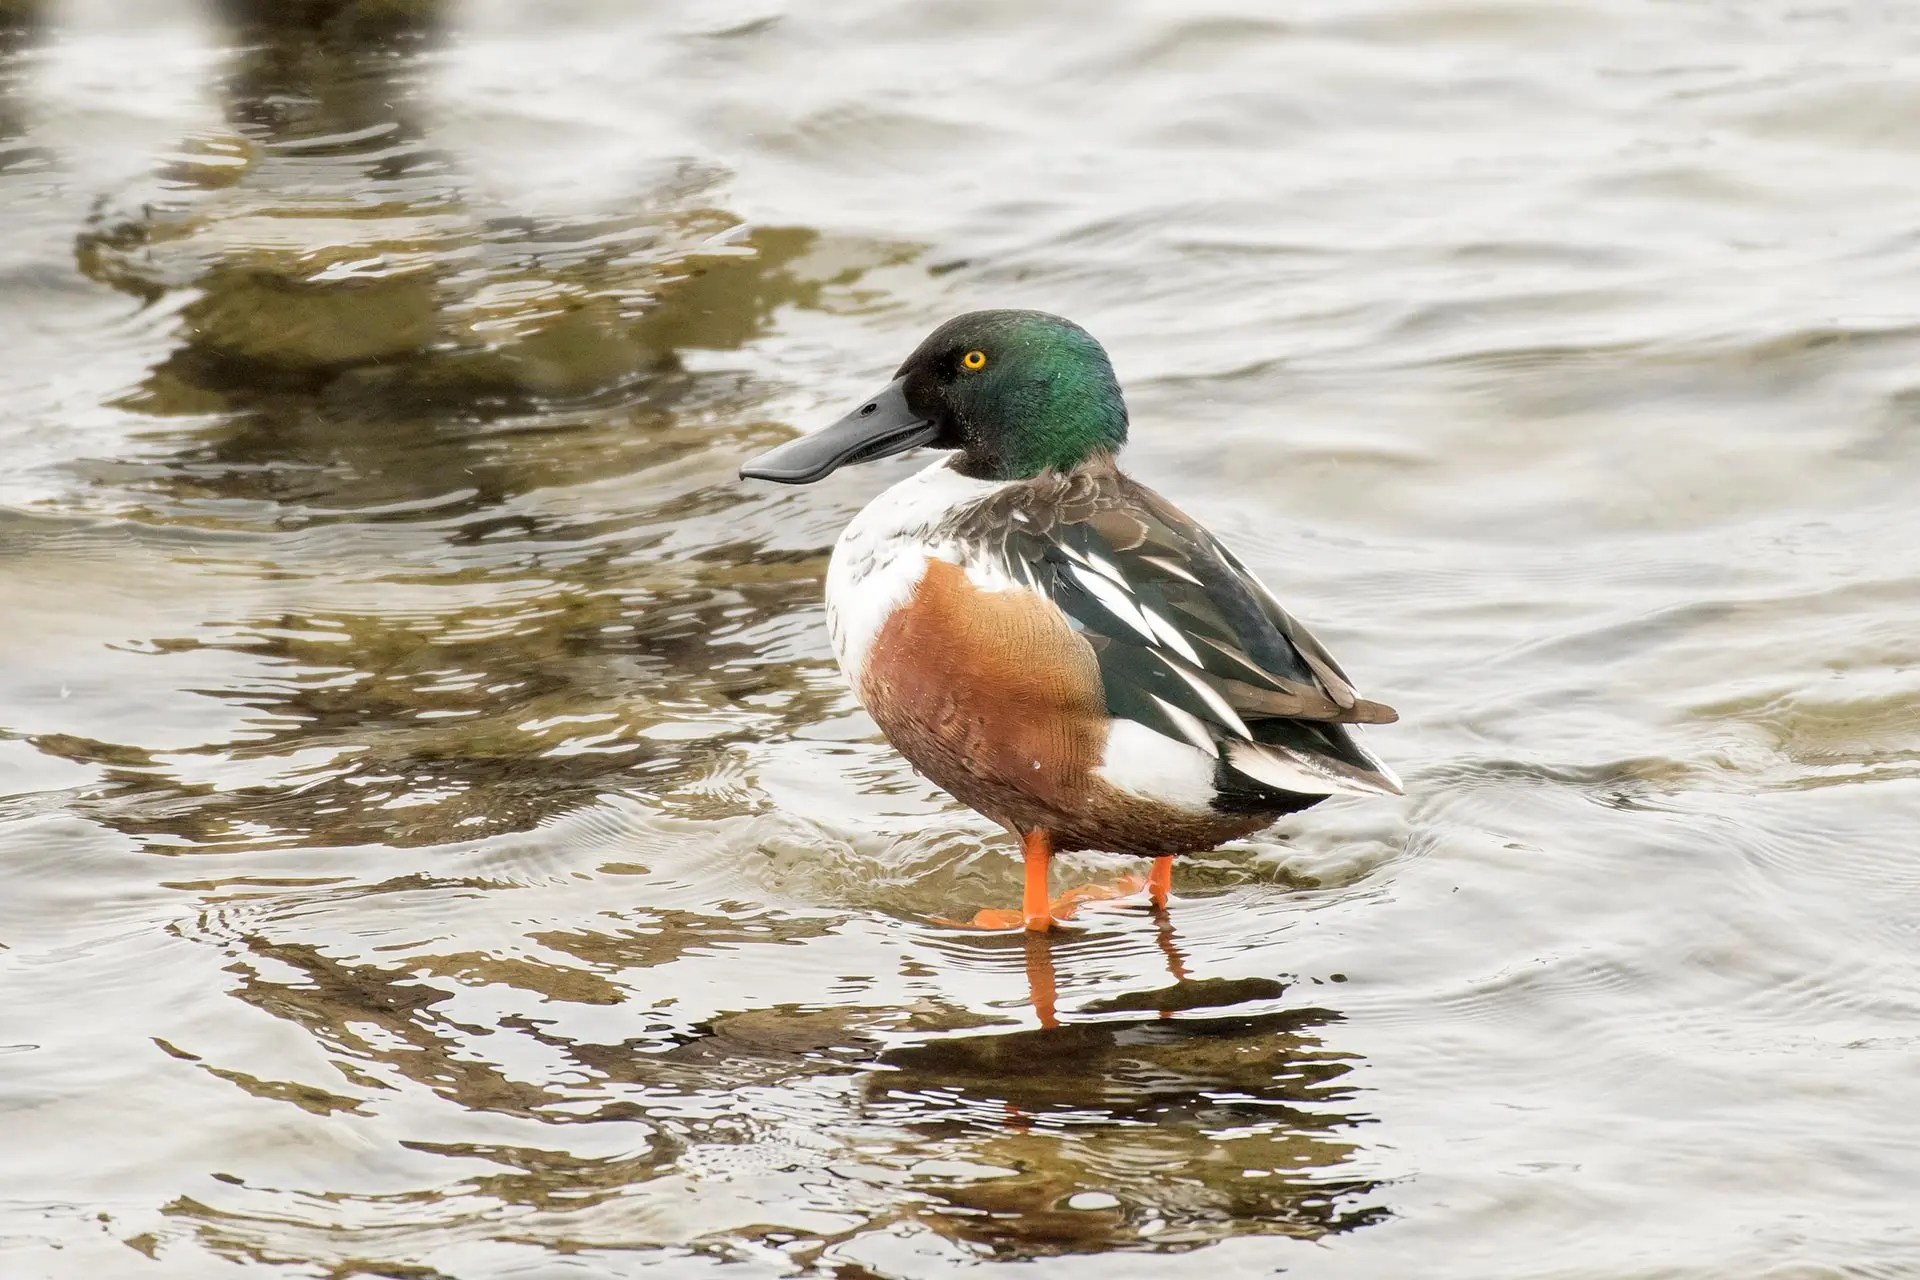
[
  {"x": 1038, "y": 913},
  {"x": 987, "y": 918},
  {"x": 1009, "y": 918},
  {"x": 1073, "y": 899}
]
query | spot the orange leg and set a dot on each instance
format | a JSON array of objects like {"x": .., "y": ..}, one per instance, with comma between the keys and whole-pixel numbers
[
  {"x": 1036, "y": 906},
  {"x": 1160, "y": 882},
  {"x": 1038, "y": 911}
]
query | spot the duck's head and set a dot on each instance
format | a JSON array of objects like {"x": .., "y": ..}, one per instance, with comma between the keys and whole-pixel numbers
[{"x": 1016, "y": 392}]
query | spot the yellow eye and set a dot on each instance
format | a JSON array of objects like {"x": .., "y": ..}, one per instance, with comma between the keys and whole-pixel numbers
[{"x": 974, "y": 360}]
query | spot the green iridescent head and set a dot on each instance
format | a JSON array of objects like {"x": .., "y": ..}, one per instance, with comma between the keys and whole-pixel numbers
[{"x": 1016, "y": 392}]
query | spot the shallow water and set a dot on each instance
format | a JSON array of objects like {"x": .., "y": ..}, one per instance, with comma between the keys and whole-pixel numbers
[{"x": 437, "y": 842}]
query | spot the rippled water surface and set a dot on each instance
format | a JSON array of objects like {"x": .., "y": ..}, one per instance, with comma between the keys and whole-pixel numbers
[{"x": 437, "y": 842}]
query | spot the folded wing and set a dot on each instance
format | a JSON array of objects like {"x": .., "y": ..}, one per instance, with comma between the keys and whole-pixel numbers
[{"x": 1189, "y": 642}]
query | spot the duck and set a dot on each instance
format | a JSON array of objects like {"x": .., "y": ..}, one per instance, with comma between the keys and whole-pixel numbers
[{"x": 1051, "y": 642}]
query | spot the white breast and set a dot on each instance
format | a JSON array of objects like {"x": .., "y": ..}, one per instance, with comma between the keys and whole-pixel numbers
[{"x": 882, "y": 555}]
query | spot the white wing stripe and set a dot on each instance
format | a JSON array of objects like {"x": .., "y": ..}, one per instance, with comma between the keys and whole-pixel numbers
[
  {"x": 1173, "y": 567},
  {"x": 1114, "y": 598},
  {"x": 1305, "y": 774},
  {"x": 1105, "y": 566},
  {"x": 1211, "y": 696},
  {"x": 1283, "y": 771},
  {"x": 1189, "y": 725},
  {"x": 1170, "y": 634}
]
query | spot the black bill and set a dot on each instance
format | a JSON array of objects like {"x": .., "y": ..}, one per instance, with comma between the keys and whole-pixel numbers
[{"x": 881, "y": 427}]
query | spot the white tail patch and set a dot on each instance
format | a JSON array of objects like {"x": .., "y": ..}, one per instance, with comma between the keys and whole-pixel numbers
[
  {"x": 1144, "y": 763},
  {"x": 1307, "y": 775},
  {"x": 1379, "y": 766}
]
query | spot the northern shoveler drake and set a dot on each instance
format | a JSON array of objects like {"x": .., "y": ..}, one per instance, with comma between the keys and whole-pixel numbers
[{"x": 1052, "y": 642}]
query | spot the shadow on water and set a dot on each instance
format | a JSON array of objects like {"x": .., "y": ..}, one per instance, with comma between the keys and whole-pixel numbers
[{"x": 463, "y": 512}]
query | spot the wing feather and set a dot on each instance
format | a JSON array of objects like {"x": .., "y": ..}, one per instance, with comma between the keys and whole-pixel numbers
[{"x": 1189, "y": 642}]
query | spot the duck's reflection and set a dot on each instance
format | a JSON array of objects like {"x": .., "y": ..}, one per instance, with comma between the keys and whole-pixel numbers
[
  {"x": 1170, "y": 1130},
  {"x": 1040, "y": 980},
  {"x": 1215, "y": 1111},
  {"x": 1164, "y": 1118},
  {"x": 1043, "y": 986},
  {"x": 1169, "y": 947}
]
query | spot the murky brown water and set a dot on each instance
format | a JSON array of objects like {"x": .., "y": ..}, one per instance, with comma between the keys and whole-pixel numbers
[{"x": 436, "y": 841}]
